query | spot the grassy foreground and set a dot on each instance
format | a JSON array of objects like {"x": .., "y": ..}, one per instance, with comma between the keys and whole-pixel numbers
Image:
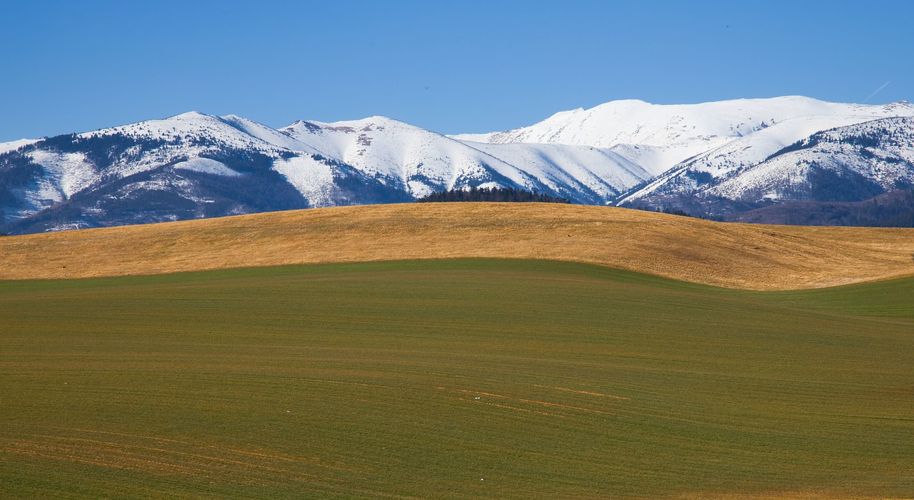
[{"x": 452, "y": 378}]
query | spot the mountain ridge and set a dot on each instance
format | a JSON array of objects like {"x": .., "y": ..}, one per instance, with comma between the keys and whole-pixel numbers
[
  {"x": 695, "y": 158},
  {"x": 845, "y": 163}
]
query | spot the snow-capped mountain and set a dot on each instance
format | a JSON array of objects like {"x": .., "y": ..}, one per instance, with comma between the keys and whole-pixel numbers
[
  {"x": 717, "y": 159},
  {"x": 658, "y": 136},
  {"x": 421, "y": 162},
  {"x": 186, "y": 166},
  {"x": 195, "y": 165},
  {"x": 846, "y": 163}
]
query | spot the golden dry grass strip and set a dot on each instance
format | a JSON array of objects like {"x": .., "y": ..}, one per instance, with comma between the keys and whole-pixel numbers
[{"x": 761, "y": 257}]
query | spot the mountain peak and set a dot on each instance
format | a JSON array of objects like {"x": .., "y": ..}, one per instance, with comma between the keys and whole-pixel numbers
[
  {"x": 368, "y": 121},
  {"x": 189, "y": 115},
  {"x": 379, "y": 120},
  {"x": 625, "y": 102}
]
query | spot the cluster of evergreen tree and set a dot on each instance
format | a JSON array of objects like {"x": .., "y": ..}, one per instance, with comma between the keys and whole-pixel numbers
[
  {"x": 676, "y": 211},
  {"x": 492, "y": 194}
]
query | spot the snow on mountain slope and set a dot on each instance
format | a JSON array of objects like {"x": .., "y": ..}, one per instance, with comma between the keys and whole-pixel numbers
[
  {"x": 848, "y": 163},
  {"x": 752, "y": 149},
  {"x": 309, "y": 170},
  {"x": 419, "y": 160},
  {"x": 726, "y": 157},
  {"x": 67, "y": 173},
  {"x": 206, "y": 166},
  {"x": 675, "y": 133},
  {"x": 424, "y": 162},
  {"x": 568, "y": 170},
  {"x": 6, "y": 147},
  {"x": 191, "y": 128},
  {"x": 313, "y": 179},
  {"x": 268, "y": 135},
  {"x": 650, "y": 158},
  {"x": 878, "y": 154},
  {"x": 186, "y": 166},
  {"x": 180, "y": 137}
]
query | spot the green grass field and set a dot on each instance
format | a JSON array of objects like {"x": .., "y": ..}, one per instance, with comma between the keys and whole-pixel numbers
[{"x": 449, "y": 379}]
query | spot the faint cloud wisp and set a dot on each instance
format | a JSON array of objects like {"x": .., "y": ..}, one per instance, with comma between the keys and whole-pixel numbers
[{"x": 873, "y": 94}]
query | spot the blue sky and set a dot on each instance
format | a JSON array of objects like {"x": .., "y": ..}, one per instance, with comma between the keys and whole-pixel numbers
[{"x": 455, "y": 66}]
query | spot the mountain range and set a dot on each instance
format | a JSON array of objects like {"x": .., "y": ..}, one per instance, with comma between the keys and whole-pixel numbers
[{"x": 784, "y": 159}]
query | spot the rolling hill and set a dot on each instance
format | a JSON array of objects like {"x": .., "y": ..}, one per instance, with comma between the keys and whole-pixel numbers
[
  {"x": 700, "y": 251},
  {"x": 405, "y": 350}
]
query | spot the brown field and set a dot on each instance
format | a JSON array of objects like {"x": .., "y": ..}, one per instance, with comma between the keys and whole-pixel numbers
[{"x": 760, "y": 257}]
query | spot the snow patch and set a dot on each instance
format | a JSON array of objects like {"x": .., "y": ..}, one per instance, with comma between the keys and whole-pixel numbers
[
  {"x": 312, "y": 178},
  {"x": 207, "y": 166},
  {"x": 68, "y": 173}
]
